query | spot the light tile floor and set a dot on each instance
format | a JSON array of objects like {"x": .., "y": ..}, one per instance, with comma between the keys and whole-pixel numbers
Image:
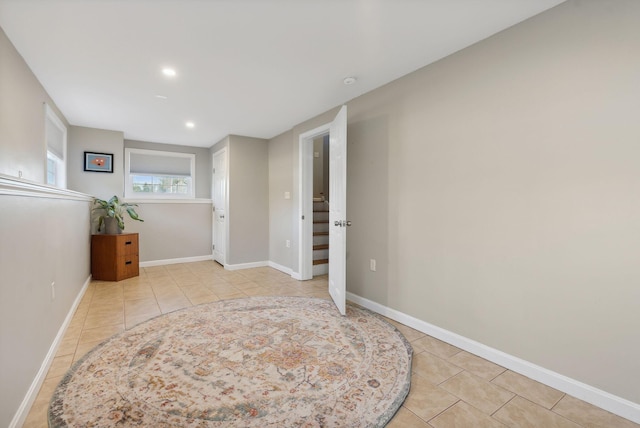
[{"x": 450, "y": 387}]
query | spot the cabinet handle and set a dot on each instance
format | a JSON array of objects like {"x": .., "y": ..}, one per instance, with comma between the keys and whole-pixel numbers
[
  {"x": 127, "y": 243},
  {"x": 128, "y": 263}
]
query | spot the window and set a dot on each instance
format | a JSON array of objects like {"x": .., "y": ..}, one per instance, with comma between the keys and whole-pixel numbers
[
  {"x": 56, "y": 143},
  {"x": 158, "y": 174},
  {"x": 52, "y": 168}
]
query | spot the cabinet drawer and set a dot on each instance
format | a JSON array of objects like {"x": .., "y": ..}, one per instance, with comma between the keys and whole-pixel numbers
[
  {"x": 128, "y": 266},
  {"x": 127, "y": 244}
]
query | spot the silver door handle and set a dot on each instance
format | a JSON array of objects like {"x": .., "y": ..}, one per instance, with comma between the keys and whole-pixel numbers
[
  {"x": 342, "y": 223},
  {"x": 347, "y": 223}
]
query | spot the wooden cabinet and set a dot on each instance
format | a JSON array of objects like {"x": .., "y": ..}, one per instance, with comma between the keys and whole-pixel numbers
[{"x": 114, "y": 257}]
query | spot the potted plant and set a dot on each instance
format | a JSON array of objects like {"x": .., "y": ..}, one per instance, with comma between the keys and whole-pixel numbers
[{"x": 112, "y": 212}]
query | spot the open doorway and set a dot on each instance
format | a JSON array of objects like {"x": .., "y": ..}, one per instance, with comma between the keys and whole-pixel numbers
[
  {"x": 314, "y": 200},
  {"x": 320, "y": 228}
]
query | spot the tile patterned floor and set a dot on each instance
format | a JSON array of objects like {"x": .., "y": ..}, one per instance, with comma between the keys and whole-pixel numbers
[{"x": 450, "y": 387}]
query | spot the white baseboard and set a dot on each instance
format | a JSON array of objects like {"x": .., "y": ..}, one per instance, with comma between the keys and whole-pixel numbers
[
  {"x": 240, "y": 266},
  {"x": 175, "y": 261},
  {"x": 32, "y": 392},
  {"x": 614, "y": 404},
  {"x": 281, "y": 268}
]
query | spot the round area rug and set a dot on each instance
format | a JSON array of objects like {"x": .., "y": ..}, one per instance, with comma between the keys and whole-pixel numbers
[{"x": 255, "y": 362}]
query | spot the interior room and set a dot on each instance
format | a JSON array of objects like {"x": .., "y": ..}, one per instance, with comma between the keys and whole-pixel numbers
[{"x": 490, "y": 184}]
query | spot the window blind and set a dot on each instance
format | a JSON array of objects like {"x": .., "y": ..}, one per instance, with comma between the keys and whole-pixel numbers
[
  {"x": 142, "y": 163},
  {"x": 55, "y": 139}
]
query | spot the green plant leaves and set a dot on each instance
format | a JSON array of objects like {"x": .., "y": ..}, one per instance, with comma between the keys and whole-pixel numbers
[
  {"x": 133, "y": 214},
  {"x": 114, "y": 208}
]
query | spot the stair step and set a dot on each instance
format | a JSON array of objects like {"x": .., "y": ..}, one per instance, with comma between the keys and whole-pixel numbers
[
  {"x": 321, "y": 262},
  {"x": 320, "y": 221},
  {"x": 320, "y": 233},
  {"x": 321, "y": 247},
  {"x": 321, "y": 216},
  {"x": 320, "y": 227},
  {"x": 320, "y": 239}
]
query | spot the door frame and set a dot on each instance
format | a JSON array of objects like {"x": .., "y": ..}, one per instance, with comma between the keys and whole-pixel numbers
[
  {"x": 305, "y": 201},
  {"x": 226, "y": 203}
]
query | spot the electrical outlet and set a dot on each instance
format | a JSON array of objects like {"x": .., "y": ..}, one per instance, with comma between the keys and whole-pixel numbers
[
  {"x": 287, "y": 243},
  {"x": 372, "y": 265},
  {"x": 53, "y": 290}
]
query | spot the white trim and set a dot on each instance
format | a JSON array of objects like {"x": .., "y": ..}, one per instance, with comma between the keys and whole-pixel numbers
[
  {"x": 580, "y": 390},
  {"x": 240, "y": 266},
  {"x": 20, "y": 187},
  {"x": 32, "y": 392},
  {"x": 281, "y": 268},
  {"x": 305, "y": 201},
  {"x": 176, "y": 261}
]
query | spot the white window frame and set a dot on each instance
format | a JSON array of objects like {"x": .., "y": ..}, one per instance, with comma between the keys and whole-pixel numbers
[
  {"x": 128, "y": 182},
  {"x": 60, "y": 163}
]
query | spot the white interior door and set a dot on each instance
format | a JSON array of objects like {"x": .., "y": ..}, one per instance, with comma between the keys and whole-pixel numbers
[
  {"x": 220, "y": 206},
  {"x": 338, "y": 210}
]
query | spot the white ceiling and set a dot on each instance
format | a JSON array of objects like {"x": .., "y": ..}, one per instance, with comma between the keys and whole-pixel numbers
[{"x": 245, "y": 67}]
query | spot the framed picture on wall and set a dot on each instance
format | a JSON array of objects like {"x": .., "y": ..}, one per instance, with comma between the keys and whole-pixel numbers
[{"x": 98, "y": 162}]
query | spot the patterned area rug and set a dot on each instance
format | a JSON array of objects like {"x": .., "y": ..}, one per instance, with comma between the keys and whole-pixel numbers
[{"x": 255, "y": 362}]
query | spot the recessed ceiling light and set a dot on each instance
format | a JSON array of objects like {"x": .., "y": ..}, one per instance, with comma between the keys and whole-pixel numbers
[
  {"x": 169, "y": 72},
  {"x": 349, "y": 80},
  {"x": 162, "y": 97},
  {"x": 190, "y": 125}
]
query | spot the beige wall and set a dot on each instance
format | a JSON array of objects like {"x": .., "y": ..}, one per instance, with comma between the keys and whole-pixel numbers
[
  {"x": 281, "y": 210},
  {"x": 99, "y": 184},
  {"x": 172, "y": 230},
  {"x": 42, "y": 241},
  {"x": 22, "y": 98},
  {"x": 496, "y": 189},
  {"x": 248, "y": 210}
]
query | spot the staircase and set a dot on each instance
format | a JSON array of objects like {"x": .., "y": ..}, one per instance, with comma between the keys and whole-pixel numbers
[{"x": 320, "y": 237}]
